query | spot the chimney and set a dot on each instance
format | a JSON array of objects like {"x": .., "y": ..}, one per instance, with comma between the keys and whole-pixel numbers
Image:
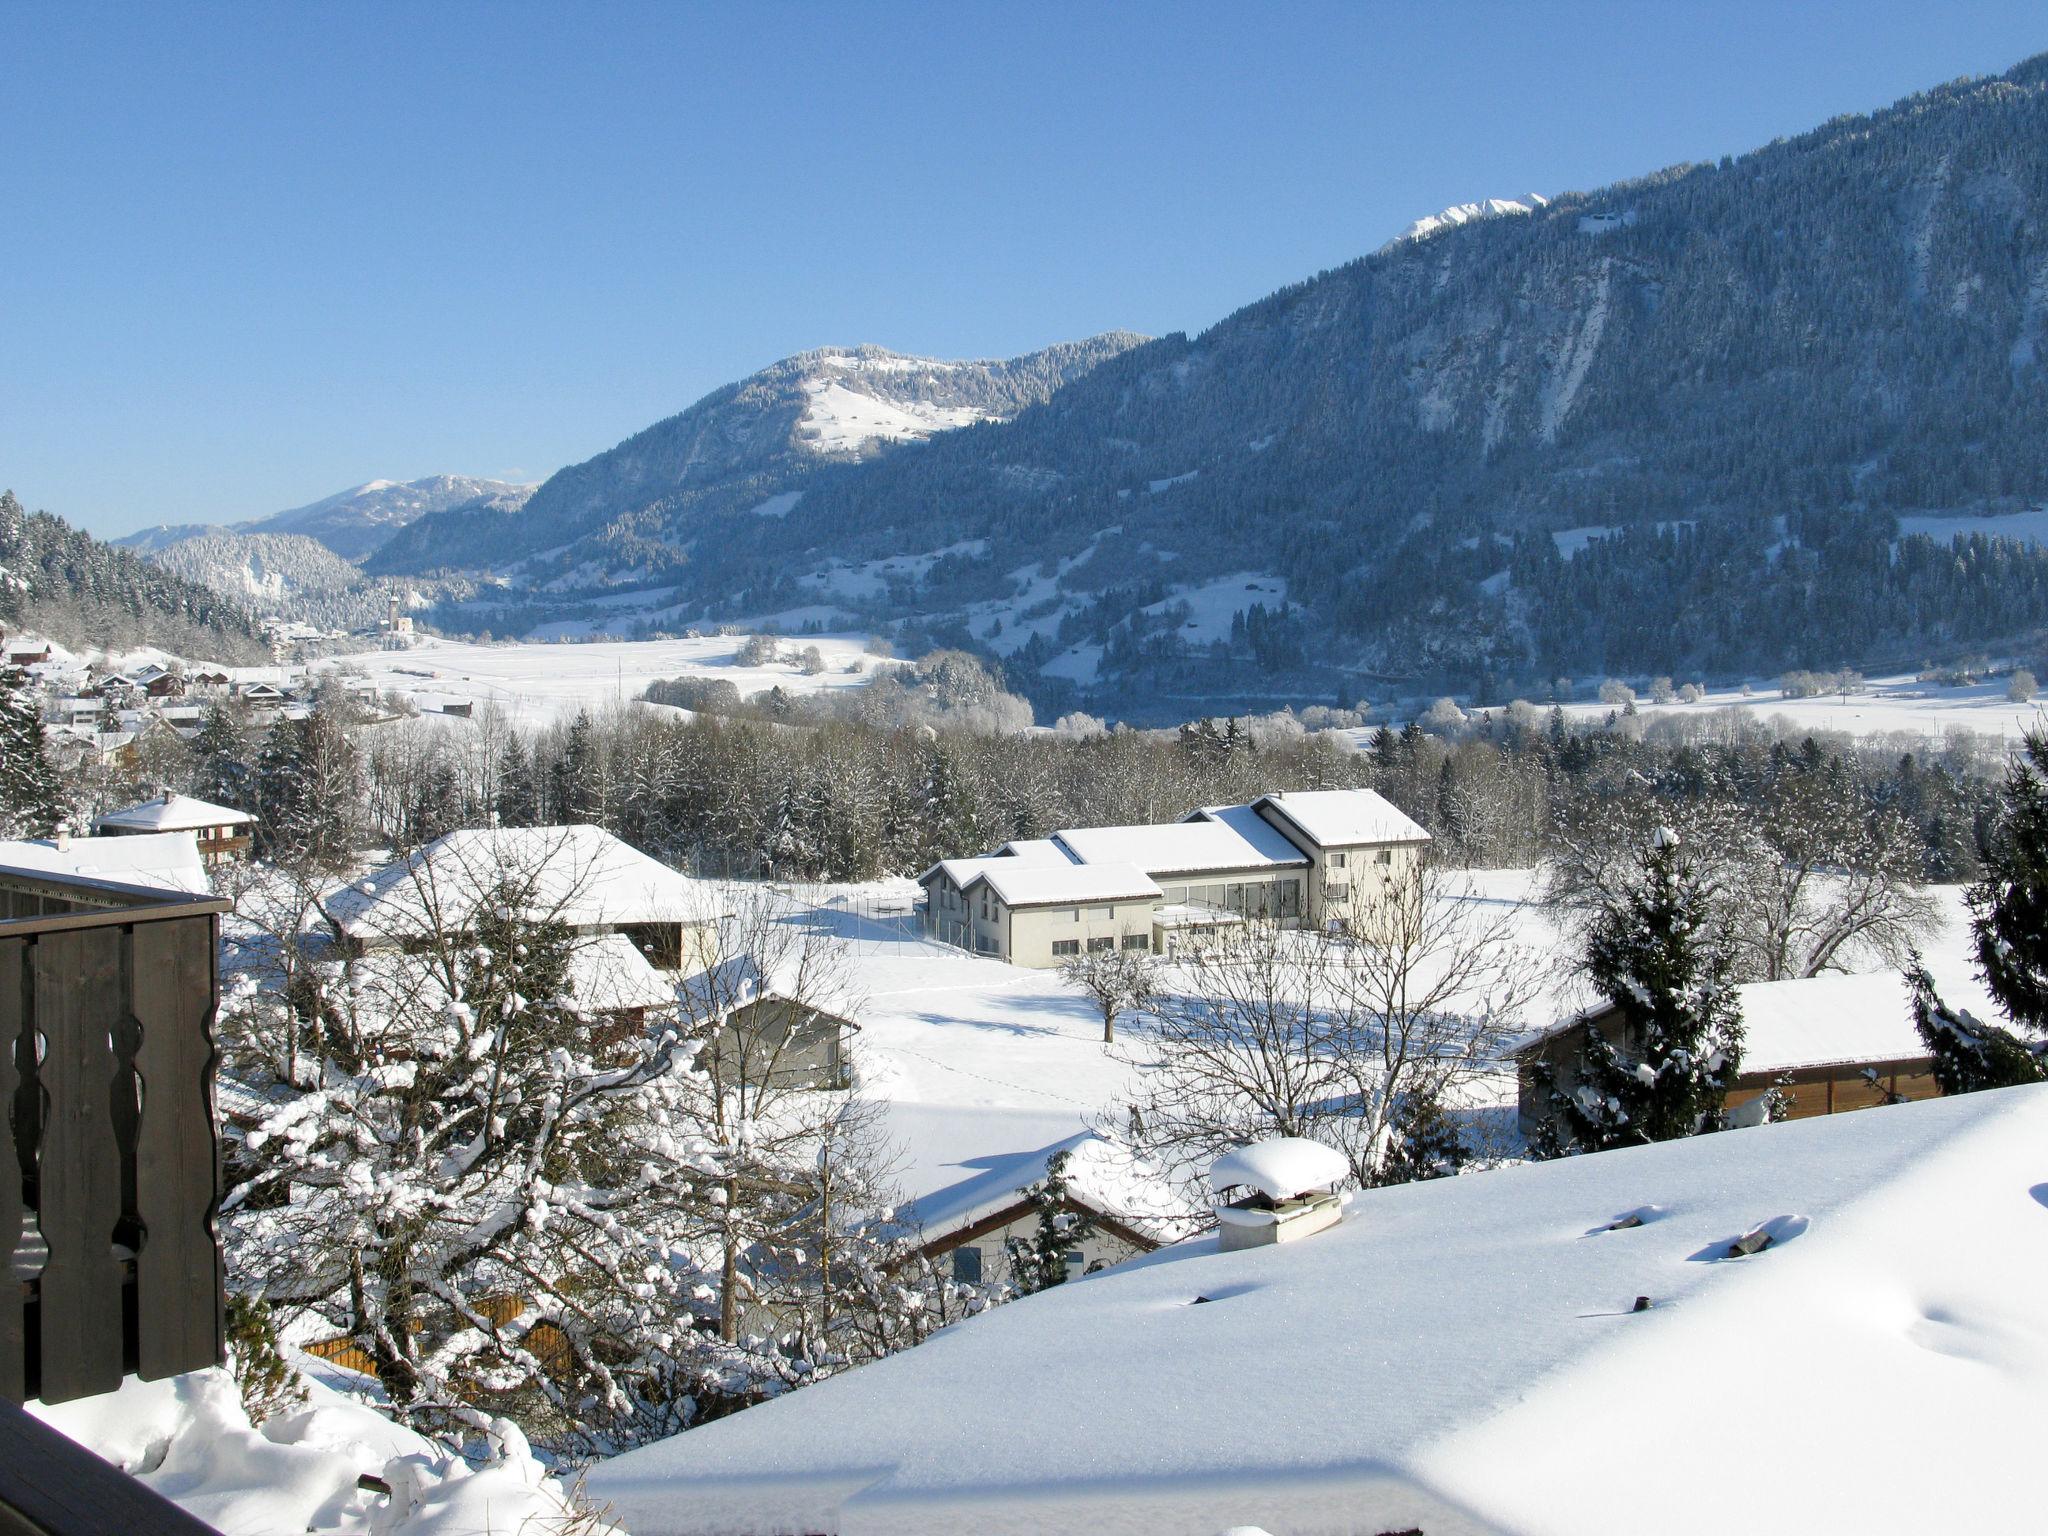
[
  {"x": 62, "y": 837},
  {"x": 1276, "y": 1191}
]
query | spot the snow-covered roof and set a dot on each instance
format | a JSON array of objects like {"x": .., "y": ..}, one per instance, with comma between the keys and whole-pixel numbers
[
  {"x": 607, "y": 972},
  {"x": 168, "y": 860},
  {"x": 1248, "y": 824},
  {"x": 176, "y": 813},
  {"x": 1280, "y": 1168},
  {"x": 1344, "y": 818},
  {"x": 578, "y": 875},
  {"x": 1463, "y": 1355},
  {"x": 1036, "y": 852},
  {"x": 1179, "y": 847},
  {"x": 1816, "y": 1021},
  {"x": 1100, "y": 1173},
  {"x": 1023, "y": 884}
]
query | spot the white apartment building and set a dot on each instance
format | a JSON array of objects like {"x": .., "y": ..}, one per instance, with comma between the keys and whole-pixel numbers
[{"x": 1316, "y": 857}]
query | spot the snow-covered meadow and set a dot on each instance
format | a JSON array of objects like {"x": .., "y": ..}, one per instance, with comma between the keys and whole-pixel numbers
[
  {"x": 535, "y": 684},
  {"x": 1898, "y": 705}
]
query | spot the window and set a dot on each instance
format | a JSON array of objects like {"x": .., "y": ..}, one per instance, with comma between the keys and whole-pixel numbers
[
  {"x": 1384, "y": 856},
  {"x": 1336, "y": 892},
  {"x": 1097, "y": 946},
  {"x": 967, "y": 1265},
  {"x": 1077, "y": 1263},
  {"x": 1074, "y": 914},
  {"x": 1066, "y": 947},
  {"x": 1137, "y": 941},
  {"x": 1103, "y": 913},
  {"x": 1337, "y": 861}
]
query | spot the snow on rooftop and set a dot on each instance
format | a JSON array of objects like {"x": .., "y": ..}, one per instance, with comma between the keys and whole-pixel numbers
[
  {"x": 1179, "y": 847},
  {"x": 1280, "y": 1168},
  {"x": 169, "y": 860},
  {"x": 176, "y": 813},
  {"x": 607, "y": 973},
  {"x": 1100, "y": 1172},
  {"x": 1463, "y": 1355},
  {"x": 1025, "y": 884},
  {"x": 1342, "y": 818},
  {"x": 578, "y": 875},
  {"x": 1823, "y": 1020}
]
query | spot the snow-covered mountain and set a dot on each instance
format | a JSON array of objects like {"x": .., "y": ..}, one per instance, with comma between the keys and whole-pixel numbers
[
  {"x": 356, "y": 522},
  {"x": 1466, "y": 213},
  {"x": 752, "y": 444}
]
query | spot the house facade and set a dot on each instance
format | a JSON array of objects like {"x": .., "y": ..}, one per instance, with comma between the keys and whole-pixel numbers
[{"x": 1320, "y": 858}]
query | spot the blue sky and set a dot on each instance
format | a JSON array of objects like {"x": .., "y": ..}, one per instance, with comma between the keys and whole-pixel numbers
[{"x": 254, "y": 254}]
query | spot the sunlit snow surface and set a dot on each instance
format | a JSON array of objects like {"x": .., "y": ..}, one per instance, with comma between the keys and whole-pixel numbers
[{"x": 1465, "y": 1356}]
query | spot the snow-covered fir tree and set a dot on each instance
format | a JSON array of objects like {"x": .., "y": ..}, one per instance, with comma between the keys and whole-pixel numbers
[
  {"x": 1662, "y": 1068},
  {"x": 31, "y": 796}
]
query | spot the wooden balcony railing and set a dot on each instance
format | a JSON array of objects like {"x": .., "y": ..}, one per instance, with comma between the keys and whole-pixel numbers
[{"x": 109, "y": 1180}]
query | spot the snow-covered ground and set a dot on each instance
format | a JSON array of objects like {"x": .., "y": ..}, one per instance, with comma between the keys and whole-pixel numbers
[
  {"x": 1896, "y": 705},
  {"x": 189, "y": 1439},
  {"x": 537, "y": 683}
]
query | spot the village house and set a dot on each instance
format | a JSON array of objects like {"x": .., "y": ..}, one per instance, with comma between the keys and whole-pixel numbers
[
  {"x": 223, "y": 833},
  {"x": 636, "y": 916},
  {"x": 1316, "y": 858},
  {"x": 1825, "y": 1044},
  {"x": 1117, "y": 1207}
]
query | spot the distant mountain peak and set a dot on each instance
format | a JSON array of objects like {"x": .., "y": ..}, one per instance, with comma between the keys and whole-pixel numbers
[{"x": 1467, "y": 213}]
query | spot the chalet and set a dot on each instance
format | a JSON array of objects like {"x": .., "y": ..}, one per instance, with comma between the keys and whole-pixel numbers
[
  {"x": 262, "y": 694},
  {"x": 580, "y": 877},
  {"x": 1826, "y": 1044},
  {"x": 165, "y": 685},
  {"x": 1321, "y": 858},
  {"x": 223, "y": 833},
  {"x": 31, "y": 656}
]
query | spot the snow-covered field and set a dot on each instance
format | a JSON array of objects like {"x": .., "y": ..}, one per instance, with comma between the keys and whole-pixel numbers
[
  {"x": 1898, "y": 705},
  {"x": 535, "y": 683}
]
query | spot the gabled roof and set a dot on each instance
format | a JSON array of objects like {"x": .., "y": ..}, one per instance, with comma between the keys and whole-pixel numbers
[
  {"x": 1342, "y": 818},
  {"x": 169, "y": 860},
  {"x": 1811, "y": 1021},
  {"x": 1464, "y": 1355},
  {"x": 1034, "y": 851},
  {"x": 177, "y": 813},
  {"x": 578, "y": 875},
  {"x": 1180, "y": 847}
]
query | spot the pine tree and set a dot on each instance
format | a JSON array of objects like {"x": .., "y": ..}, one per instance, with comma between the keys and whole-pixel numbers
[
  {"x": 220, "y": 751},
  {"x": 1664, "y": 1069},
  {"x": 518, "y": 801},
  {"x": 2009, "y": 905},
  {"x": 573, "y": 787},
  {"x": 1039, "y": 1262},
  {"x": 1969, "y": 1054},
  {"x": 31, "y": 798}
]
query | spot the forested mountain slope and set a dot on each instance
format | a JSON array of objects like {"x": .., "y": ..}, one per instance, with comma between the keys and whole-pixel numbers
[
  {"x": 748, "y": 448},
  {"x": 1667, "y": 425},
  {"x": 64, "y": 584}
]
